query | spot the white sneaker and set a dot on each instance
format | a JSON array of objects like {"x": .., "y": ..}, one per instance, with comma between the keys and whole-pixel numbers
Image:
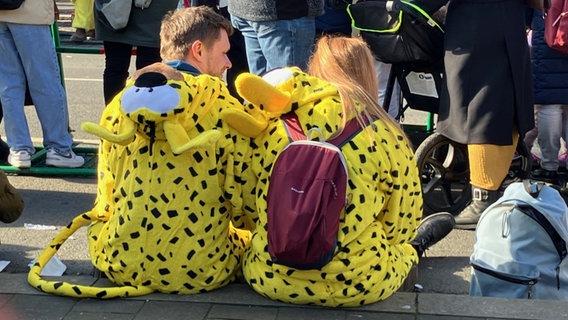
[
  {"x": 63, "y": 160},
  {"x": 20, "y": 159}
]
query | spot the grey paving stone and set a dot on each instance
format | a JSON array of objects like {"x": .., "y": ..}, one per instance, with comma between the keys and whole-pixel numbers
[
  {"x": 438, "y": 317},
  {"x": 399, "y": 302},
  {"x": 16, "y": 283},
  {"x": 79, "y": 315},
  {"x": 235, "y": 293},
  {"x": 163, "y": 310},
  {"x": 491, "y": 308},
  {"x": 37, "y": 307},
  {"x": 379, "y": 316},
  {"x": 232, "y": 312},
  {"x": 309, "y": 313},
  {"x": 4, "y": 298},
  {"x": 112, "y": 306}
]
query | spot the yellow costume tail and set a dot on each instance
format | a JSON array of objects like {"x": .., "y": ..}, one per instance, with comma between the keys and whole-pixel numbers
[{"x": 73, "y": 290}]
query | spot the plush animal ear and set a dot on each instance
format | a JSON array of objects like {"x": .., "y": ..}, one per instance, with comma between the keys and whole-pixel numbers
[
  {"x": 179, "y": 140},
  {"x": 123, "y": 138},
  {"x": 259, "y": 92}
]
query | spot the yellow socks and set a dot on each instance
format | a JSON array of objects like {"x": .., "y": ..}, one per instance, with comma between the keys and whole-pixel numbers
[{"x": 489, "y": 164}]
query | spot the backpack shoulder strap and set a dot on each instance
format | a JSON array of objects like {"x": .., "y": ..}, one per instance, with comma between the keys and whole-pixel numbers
[
  {"x": 295, "y": 132},
  {"x": 352, "y": 128},
  {"x": 293, "y": 127},
  {"x": 539, "y": 218}
]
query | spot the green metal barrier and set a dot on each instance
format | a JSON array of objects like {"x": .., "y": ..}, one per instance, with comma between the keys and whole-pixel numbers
[
  {"x": 86, "y": 47},
  {"x": 39, "y": 167}
]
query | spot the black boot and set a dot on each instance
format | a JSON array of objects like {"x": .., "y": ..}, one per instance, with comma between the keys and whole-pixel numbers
[
  {"x": 480, "y": 200},
  {"x": 550, "y": 176},
  {"x": 432, "y": 229}
]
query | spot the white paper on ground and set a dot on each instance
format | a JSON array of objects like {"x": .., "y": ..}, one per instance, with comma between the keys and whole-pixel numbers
[
  {"x": 54, "y": 267},
  {"x": 3, "y": 264},
  {"x": 38, "y": 226}
]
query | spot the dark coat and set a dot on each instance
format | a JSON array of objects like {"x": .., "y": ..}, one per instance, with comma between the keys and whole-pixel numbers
[
  {"x": 488, "y": 86},
  {"x": 550, "y": 68},
  {"x": 143, "y": 27}
]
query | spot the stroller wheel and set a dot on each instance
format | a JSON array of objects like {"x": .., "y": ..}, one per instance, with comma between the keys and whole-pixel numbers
[{"x": 444, "y": 173}]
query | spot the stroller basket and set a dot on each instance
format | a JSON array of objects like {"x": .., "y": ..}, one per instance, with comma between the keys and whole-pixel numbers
[{"x": 398, "y": 31}]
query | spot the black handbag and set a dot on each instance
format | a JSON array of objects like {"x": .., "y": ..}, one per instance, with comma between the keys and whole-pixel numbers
[
  {"x": 10, "y": 4},
  {"x": 398, "y": 31}
]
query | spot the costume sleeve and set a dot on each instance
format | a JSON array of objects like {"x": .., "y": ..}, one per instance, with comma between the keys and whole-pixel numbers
[{"x": 104, "y": 204}]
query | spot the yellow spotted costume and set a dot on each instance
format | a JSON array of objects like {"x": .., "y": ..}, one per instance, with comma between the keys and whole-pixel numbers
[
  {"x": 373, "y": 255},
  {"x": 169, "y": 214}
]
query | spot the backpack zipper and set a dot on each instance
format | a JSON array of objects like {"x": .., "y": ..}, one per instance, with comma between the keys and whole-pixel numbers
[{"x": 528, "y": 282}]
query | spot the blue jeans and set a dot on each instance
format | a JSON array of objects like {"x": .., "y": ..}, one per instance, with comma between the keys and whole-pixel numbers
[
  {"x": 276, "y": 44},
  {"x": 551, "y": 124},
  {"x": 27, "y": 53}
]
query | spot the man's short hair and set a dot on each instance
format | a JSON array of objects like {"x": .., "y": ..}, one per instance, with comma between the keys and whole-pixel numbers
[{"x": 181, "y": 28}]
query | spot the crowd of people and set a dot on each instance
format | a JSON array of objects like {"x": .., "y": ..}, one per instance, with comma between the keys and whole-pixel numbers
[{"x": 275, "y": 61}]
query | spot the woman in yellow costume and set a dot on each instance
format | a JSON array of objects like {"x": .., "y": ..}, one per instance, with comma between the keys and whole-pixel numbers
[{"x": 376, "y": 245}]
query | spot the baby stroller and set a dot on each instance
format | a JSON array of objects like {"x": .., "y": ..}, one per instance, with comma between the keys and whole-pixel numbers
[{"x": 410, "y": 38}]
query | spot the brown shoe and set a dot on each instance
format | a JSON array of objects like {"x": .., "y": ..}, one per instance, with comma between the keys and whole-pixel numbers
[
  {"x": 91, "y": 34},
  {"x": 80, "y": 35}
]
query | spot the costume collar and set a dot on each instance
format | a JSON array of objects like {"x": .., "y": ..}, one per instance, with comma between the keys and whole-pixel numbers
[{"x": 183, "y": 67}]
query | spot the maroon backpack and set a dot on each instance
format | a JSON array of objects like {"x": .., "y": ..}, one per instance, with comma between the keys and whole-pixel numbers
[
  {"x": 306, "y": 194},
  {"x": 556, "y": 25}
]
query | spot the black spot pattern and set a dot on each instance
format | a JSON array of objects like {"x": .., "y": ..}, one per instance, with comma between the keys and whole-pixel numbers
[{"x": 173, "y": 210}]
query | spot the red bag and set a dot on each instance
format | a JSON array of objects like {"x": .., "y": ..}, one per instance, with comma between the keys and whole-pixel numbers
[
  {"x": 306, "y": 195},
  {"x": 556, "y": 26}
]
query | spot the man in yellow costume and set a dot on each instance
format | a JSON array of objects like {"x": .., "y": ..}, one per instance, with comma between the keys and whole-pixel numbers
[{"x": 170, "y": 213}]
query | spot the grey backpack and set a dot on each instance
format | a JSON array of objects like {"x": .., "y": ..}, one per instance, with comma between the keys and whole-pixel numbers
[{"x": 520, "y": 249}]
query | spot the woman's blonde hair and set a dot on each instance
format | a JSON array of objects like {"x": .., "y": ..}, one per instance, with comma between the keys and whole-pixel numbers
[
  {"x": 349, "y": 64},
  {"x": 180, "y": 28}
]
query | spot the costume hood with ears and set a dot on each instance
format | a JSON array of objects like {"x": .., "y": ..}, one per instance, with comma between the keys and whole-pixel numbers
[
  {"x": 153, "y": 107},
  {"x": 278, "y": 92}
]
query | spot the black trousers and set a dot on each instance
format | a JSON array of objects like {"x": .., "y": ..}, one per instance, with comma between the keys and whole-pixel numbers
[{"x": 117, "y": 63}]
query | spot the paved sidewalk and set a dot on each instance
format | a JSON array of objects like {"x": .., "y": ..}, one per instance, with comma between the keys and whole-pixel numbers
[{"x": 19, "y": 301}]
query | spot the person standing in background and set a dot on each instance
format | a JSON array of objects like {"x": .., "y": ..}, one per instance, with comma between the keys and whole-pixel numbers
[
  {"x": 83, "y": 20},
  {"x": 27, "y": 53},
  {"x": 550, "y": 83},
  {"x": 486, "y": 100},
  {"x": 277, "y": 33},
  {"x": 142, "y": 33}
]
